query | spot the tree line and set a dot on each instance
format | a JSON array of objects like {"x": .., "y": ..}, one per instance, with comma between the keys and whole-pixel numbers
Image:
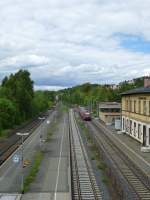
[
  {"x": 87, "y": 94},
  {"x": 18, "y": 100}
]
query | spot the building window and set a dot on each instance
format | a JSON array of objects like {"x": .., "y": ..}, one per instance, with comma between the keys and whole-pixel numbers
[
  {"x": 139, "y": 106},
  {"x": 144, "y": 107},
  {"x": 131, "y": 127},
  {"x": 127, "y": 125},
  {"x": 127, "y": 105},
  {"x": 135, "y": 106},
  {"x": 130, "y": 105},
  {"x": 139, "y": 131},
  {"x": 134, "y": 129},
  {"x": 149, "y": 136}
]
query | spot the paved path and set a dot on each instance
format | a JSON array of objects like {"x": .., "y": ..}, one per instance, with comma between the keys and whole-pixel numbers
[
  {"x": 10, "y": 172},
  {"x": 53, "y": 178}
]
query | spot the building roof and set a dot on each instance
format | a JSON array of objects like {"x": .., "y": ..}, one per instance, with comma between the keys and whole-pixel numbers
[
  {"x": 110, "y": 105},
  {"x": 142, "y": 90}
]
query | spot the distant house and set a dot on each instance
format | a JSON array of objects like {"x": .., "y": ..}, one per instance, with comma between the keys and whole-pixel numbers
[
  {"x": 136, "y": 113},
  {"x": 109, "y": 112}
]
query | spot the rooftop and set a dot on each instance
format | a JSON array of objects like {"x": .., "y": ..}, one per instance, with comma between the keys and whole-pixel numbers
[
  {"x": 110, "y": 105},
  {"x": 142, "y": 90}
]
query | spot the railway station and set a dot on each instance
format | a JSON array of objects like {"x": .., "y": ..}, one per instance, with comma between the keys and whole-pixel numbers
[
  {"x": 75, "y": 100},
  {"x": 136, "y": 113}
]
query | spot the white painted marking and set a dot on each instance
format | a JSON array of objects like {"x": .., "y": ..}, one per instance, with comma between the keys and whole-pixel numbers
[
  {"x": 10, "y": 196},
  {"x": 59, "y": 162},
  {"x": 146, "y": 162}
]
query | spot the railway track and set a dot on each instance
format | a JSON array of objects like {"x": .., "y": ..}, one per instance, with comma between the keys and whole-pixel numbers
[
  {"x": 10, "y": 144},
  {"x": 84, "y": 185},
  {"x": 131, "y": 176}
]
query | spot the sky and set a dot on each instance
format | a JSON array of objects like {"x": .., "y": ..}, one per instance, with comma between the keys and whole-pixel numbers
[{"x": 68, "y": 42}]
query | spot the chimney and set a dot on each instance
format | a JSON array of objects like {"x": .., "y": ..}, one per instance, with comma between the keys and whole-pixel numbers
[{"x": 147, "y": 81}]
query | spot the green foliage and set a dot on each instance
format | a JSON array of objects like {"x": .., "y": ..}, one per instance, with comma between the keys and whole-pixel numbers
[
  {"x": 88, "y": 94},
  {"x": 19, "y": 102},
  {"x": 7, "y": 113},
  {"x": 40, "y": 102},
  {"x": 29, "y": 179},
  {"x": 19, "y": 89}
]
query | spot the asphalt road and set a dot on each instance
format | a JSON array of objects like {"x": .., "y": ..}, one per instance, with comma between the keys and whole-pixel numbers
[{"x": 10, "y": 172}]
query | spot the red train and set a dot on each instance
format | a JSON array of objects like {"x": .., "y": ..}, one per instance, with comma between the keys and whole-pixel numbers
[{"x": 85, "y": 115}]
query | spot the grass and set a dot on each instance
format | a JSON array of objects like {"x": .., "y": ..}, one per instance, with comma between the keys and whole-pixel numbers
[
  {"x": 4, "y": 133},
  {"x": 63, "y": 108},
  {"x": 95, "y": 154},
  {"x": 49, "y": 136},
  {"x": 30, "y": 178}
]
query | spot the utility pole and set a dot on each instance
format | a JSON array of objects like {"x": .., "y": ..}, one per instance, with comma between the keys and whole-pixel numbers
[
  {"x": 22, "y": 159},
  {"x": 41, "y": 126}
]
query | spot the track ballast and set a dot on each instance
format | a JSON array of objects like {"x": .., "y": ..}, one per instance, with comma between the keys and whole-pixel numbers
[{"x": 84, "y": 185}]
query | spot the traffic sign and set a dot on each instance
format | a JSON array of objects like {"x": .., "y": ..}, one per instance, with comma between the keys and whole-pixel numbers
[
  {"x": 16, "y": 158},
  {"x": 26, "y": 163}
]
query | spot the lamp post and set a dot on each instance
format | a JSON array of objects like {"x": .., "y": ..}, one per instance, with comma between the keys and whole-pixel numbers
[
  {"x": 42, "y": 119},
  {"x": 22, "y": 158}
]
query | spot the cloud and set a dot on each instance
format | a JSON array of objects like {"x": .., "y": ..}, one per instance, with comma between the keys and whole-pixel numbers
[{"x": 63, "y": 43}]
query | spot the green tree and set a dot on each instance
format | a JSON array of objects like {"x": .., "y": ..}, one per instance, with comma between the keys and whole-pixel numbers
[{"x": 7, "y": 113}]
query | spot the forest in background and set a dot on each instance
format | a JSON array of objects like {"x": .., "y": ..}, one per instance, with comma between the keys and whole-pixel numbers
[
  {"x": 90, "y": 95},
  {"x": 19, "y": 102}
]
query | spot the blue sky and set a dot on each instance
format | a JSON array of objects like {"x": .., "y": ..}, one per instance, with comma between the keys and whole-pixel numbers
[
  {"x": 134, "y": 43},
  {"x": 67, "y": 42}
]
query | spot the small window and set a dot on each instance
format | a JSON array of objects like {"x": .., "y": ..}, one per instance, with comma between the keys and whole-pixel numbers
[
  {"x": 149, "y": 108},
  {"x": 130, "y": 105},
  {"x": 134, "y": 129},
  {"x": 127, "y": 105},
  {"x": 144, "y": 107},
  {"x": 139, "y": 106},
  {"x": 135, "y": 106},
  {"x": 139, "y": 131},
  {"x": 131, "y": 127}
]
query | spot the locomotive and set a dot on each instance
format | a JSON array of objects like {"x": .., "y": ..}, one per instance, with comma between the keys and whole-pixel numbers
[{"x": 85, "y": 115}]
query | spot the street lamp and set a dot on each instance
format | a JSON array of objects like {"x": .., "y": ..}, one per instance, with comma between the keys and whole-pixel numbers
[
  {"x": 42, "y": 119},
  {"x": 22, "y": 158}
]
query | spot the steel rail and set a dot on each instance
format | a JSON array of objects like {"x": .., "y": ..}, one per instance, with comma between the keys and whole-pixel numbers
[
  {"x": 83, "y": 174},
  {"x": 139, "y": 188}
]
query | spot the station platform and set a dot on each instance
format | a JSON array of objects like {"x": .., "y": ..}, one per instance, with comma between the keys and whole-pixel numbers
[
  {"x": 129, "y": 146},
  {"x": 10, "y": 196},
  {"x": 46, "y": 196}
]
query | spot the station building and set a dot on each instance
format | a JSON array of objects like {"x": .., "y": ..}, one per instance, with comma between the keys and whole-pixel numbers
[
  {"x": 109, "y": 112},
  {"x": 136, "y": 113}
]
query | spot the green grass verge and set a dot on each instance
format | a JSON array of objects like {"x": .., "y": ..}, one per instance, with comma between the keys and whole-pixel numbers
[
  {"x": 49, "y": 136},
  {"x": 95, "y": 155},
  {"x": 63, "y": 108},
  {"x": 4, "y": 133},
  {"x": 30, "y": 178}
]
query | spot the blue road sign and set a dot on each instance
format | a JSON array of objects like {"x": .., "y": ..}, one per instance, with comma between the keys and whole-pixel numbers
[{"x": 16, "y": 158}]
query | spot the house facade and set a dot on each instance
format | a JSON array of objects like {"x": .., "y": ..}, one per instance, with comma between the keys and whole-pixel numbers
[
  {"x": 136, "y": 113},
  {"x": 109, "y": 112}
]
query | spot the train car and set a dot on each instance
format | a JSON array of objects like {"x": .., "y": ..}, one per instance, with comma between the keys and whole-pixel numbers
[{"x": 85, "y": 115}]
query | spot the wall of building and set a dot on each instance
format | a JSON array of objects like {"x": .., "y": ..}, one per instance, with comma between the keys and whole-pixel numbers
[
  {"x": 136, "y": 117},
  {"x": 135, "y": 129},
  {"x": 108, "y": 118}
]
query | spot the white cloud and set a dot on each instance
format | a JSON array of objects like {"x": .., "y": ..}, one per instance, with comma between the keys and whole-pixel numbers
[
  {"x": 66, "y": 42},
  {"x": 47, "y": 87}
]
